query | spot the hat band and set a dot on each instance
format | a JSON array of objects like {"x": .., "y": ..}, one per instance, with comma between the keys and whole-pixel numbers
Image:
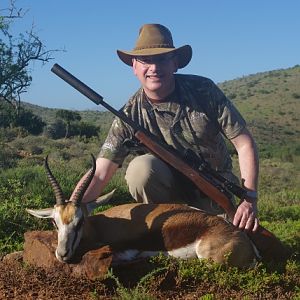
[{"x": 155, "y": 46}]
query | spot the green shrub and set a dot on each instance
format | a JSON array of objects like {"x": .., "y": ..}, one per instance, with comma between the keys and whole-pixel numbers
[
  {"x": 14, "y": 220},
  {"x": 10, "y": 117},
  {"x": 55, "y": 130},
  {"x": 8, "y": 157}
]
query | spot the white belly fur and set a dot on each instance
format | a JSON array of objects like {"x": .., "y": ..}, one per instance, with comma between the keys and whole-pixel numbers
[{"x": 188, "y": 251}]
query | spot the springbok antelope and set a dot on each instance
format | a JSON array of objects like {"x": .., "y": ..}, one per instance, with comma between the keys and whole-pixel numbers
[{"x": 142, "y": 230}]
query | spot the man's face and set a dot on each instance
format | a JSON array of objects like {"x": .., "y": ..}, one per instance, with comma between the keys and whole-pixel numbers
[{"x": 156, "y": 74}]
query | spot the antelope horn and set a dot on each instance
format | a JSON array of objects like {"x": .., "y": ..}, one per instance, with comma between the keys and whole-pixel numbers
[
  {"x": 78, "y": 194},
  {"x": 59, "y": 196}
]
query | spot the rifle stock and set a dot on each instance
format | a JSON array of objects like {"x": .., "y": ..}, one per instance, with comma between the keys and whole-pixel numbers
[{"x": 269, "y": 246}]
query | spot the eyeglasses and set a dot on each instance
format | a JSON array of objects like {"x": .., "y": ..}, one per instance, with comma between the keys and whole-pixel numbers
[{"x": 146, "y": 61}]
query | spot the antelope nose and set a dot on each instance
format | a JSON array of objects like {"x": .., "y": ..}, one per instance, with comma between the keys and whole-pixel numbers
[{"x": 62, "y": 255}]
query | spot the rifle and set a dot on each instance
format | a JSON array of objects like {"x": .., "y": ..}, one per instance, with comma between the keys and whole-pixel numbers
[{"x": 207, "y": 180}]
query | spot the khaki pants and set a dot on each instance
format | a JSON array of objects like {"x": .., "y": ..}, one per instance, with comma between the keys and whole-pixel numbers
[{"x": 150, "y": 180}]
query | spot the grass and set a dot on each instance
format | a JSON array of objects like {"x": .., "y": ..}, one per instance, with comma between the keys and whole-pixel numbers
[
  {"x": 279, "y": 212},
  {"x": 252, "y": 283}
]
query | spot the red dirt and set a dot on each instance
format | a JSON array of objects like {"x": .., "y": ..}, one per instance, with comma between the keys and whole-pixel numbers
[{"x": 20, "y": 281}]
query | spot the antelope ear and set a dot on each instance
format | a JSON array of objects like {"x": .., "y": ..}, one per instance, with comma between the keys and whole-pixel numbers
[
  {"x": 41, "y": 213},
  {"x": 102, "y": 200}
]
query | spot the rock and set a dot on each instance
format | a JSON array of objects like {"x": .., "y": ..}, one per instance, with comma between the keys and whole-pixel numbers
[
  {"x": 39, "y": 251},
  {"x": 39, "y": 248}
]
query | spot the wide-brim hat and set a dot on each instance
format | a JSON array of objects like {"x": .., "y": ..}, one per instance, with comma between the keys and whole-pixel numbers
[{"x": 156, "y": 39}]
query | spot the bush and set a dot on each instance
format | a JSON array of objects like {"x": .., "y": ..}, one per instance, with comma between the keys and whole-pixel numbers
[
  {"x": 32, "y": 123},
  {"x": 10, "y": 117},
  {"x": 10, "y": 134},
  {"x": 56, "y": 130},
  {"x": 8, "y": 157},
  {"x": 87, "y": 130}
]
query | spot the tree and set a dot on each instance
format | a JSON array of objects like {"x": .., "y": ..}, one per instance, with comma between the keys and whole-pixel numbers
[
  {"x": 16, "y": 55},
  {"x": 68, "y": 117},
  {"x": 69, "y": 124},
  {"x": 56, "y": 130},
  {"x": 31, "y": 122}
]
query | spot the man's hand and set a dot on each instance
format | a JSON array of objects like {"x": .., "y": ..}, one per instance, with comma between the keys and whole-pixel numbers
[{"x": 246, "y": 215}]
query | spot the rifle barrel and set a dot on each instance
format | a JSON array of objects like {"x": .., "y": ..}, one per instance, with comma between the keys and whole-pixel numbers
[{"x": 89, "y": 93}]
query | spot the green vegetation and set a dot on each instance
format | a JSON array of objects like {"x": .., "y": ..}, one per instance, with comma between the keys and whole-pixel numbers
[
  {"x": 22, "y": 118},
  {"x": 270, "y": 104}
]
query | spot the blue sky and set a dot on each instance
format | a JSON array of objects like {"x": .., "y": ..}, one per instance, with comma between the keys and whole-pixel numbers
[{"x": 230, "y": 39}]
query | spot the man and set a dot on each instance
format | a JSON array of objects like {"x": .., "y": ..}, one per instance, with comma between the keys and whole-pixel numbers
[{"x": 186, "y": 112}]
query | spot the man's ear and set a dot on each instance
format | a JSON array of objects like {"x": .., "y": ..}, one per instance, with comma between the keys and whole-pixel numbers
[{"x": 134, "y": 66}]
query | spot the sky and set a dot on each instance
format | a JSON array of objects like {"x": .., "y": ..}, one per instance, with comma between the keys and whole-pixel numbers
[{"x": 229, "y": 38}]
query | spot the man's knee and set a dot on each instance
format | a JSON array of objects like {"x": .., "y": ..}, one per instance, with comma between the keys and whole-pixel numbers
[
  {"x": 138, "y": 171},
  {"x": 149, "y": 179}
]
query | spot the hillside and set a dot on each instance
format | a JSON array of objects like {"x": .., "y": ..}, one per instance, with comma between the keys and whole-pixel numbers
[{"x": 269, "y": 101}]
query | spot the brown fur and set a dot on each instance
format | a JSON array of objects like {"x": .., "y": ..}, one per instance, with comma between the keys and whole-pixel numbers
[{"x": 165, "y": 227}]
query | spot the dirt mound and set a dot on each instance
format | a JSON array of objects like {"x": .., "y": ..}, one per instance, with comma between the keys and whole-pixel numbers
[{"x": 20, "y": 281}]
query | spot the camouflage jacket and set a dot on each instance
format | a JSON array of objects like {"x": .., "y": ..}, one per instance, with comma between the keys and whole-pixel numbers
[{"x": 196, "y": 117}]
